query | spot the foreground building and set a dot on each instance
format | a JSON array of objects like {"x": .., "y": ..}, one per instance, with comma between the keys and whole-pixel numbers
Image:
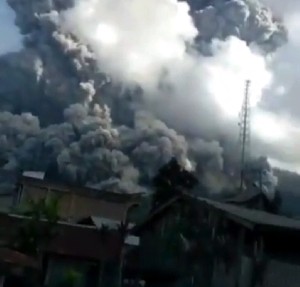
[
  {"x": 75, "y": 202},
  {"x": 187, "y": 241},
  {"x": 90, "y": 238},
  {"x": 232, "y": 246}
]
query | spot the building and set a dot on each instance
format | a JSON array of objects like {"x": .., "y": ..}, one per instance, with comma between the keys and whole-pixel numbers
[
  {"x": 89, "y": 251},
  {"x": 232, "y": 245},
  {"x": 76, "y": 203},
  {"x": 92, "y": 234}
]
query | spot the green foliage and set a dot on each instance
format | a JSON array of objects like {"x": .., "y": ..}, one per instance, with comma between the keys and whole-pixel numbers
[
  {"x": 70, "y": 278},
  {"x": 39, "y": 228}
]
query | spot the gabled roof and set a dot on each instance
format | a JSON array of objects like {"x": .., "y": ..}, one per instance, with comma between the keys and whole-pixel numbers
[
  {"x": 241, "y": 215},
  {"x": 34, "y": 174},
  {"x": 252, "y": 216},
  {"x": 157, "y": 214}
]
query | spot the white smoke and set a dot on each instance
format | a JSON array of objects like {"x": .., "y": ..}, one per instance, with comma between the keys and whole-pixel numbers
[
  {"x": 281, "y": 100},
  {"x": 268, "y": 183},
  {"x": 10, "y": 37},
  {"x": 150, "y": 43},
  {"x": 187, "y": 101},
  {"x": 133, "y": 40},
  {"x": 145, "y": 43}
]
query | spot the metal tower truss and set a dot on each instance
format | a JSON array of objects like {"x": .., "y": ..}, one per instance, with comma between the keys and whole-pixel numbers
[{"x": 244, "y": 131}]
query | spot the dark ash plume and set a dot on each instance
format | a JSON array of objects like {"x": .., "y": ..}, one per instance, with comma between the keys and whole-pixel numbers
[{"x": 58, "y": 104}]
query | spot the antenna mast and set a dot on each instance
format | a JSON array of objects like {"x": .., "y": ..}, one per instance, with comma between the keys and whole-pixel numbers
[{"x": 245, "y": 132}]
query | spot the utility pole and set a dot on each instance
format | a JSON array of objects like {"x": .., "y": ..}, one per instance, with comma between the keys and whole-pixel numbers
[{"x": 245, "y": 133}]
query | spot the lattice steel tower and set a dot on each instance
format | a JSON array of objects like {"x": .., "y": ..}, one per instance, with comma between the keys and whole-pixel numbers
[{"x": 244, "y": 135}]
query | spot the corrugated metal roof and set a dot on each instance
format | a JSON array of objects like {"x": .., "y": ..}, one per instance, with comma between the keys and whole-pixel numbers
[
  {"x": 99, "y": 222},
  {"x": 256, "y": 217},
  {"x": 34, "y": 174},
  {"x": 238, "y": 213},
  {"x": 132, "y": 240}
]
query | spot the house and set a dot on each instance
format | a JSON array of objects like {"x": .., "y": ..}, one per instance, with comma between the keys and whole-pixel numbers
[
  {"x": 90, "y": 252},
  {"x": 232, "y": 245},
  {"x": 92, "y": 234},
  {"x": 263, "y": 241},
  {"x": 153, "y": 261},
  {"x": 76, "y": 202}
]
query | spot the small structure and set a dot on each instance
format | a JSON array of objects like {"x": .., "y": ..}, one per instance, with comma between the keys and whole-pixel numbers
[{"x": 92, "y": 233}]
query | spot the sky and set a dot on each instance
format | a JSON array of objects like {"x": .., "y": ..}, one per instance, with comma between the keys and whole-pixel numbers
[
  {"x": 10, "y": 38},
  {"x": 282, "y": 99}
]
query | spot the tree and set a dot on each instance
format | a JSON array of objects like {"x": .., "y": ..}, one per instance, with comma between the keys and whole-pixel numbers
[
  {"x": 170, "y": 180},
  {"x": 70, "y": 278},
  {"x": 38, "y": 227}
]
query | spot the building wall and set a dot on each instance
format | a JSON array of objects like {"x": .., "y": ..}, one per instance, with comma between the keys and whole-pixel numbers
[
  {"x": 75, "y": 206},
  {"x": 6, "y": 203},
  {"x": 281, "y": 274},
  {"x": 278, "y": 274}
]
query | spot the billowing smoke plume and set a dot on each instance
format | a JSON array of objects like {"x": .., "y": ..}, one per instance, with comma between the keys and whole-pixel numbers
[
  {"x": 110, "y": 91},
  {"x": 248, "y": 20}
]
